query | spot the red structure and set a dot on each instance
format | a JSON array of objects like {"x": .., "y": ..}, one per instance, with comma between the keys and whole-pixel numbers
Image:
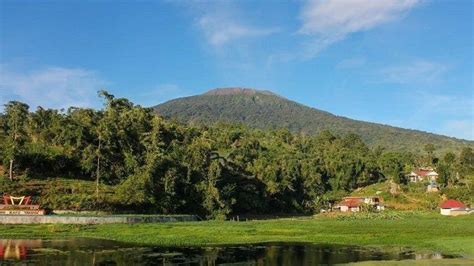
[
  {"x": 453, "y": 208},
  {"x": 17, "y": 249},
  {"x": 354, "y": 203},
  {"x": 19, "y": 206},
  {"x": 10, "y": 251},
  {"x": 452, "y": 204}
]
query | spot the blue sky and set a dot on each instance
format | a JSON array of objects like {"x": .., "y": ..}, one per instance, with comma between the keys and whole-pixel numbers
[{"x": 406, "y": 63}]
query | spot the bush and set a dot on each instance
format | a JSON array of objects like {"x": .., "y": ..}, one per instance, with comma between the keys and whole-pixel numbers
[
  {"x": 416, "y": 188},
  {"x": 135, "y": 191},
  {"x": 462, "y": 193},
  {"x": 385, "y": 215}
]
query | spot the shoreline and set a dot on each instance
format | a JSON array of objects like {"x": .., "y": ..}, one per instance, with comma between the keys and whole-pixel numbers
[{"x": 94, "y": 219}]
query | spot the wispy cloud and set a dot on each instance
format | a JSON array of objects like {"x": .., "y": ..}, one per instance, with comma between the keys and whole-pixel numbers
[
  {"x": 416, "y": 72},
  {"x": 223, "y": 23},
  {"x": 221, "y": 29},
  {"x": 52, "y": 87},
  {"x": 233, "y": 35},
  {"x": 330, "y": 21}
]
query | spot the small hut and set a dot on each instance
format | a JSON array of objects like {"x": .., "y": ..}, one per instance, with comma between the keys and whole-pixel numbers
[
  {"x": 354, "y": 204},
  {"x": 453, "y": 208}
]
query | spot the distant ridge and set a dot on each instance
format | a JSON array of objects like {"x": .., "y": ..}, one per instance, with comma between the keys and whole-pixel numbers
[
  {"x": 236, "y": 90},
  {"x": 267, "y": 110}
]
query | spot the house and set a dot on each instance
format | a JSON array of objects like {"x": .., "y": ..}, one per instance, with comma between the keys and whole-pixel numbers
[
  {"x": 354, "y": 204},
  {"x": 453, "y": 208},
  {"x": 423, "y": 174}
]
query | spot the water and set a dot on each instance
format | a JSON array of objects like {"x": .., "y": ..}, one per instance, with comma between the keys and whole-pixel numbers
[{"x": 103, "y": 252}]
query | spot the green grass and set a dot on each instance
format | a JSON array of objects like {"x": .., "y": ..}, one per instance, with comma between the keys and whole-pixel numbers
[
  {"x": 422, "y": 262},
  {"x": 420, "y": 231}
]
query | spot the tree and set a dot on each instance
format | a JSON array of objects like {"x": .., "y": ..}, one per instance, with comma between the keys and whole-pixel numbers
[
  {"x": 449, "y": 158},
  {"x": 429, "y": 149},
  {"x": 135, "y": 190},
  {"x": 158, "y": 165},
  {"x": 212, "y": 199},
  {"x": 444, "y": 173},
  {"x": 446, "y": 169},
  {"x": 16, "y": 115},
  {"x": 101, "y": 132},
  {"x": 392, "y": 167},
  {"x": 466, "y": 161}
]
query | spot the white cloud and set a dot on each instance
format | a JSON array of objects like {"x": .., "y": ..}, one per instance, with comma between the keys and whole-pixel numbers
[
  {"x": 330, "y": 21},
  {"x": 416, "y": 72},
  {"x": 221, "y": 29},
  {"x": 51, "y": 87},
  {"x": 224, "y": 23}
]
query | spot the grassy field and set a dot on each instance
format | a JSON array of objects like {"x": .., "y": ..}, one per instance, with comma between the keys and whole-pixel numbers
[
  {"x": 423, "y": 262},
  {"x": 454, "y": 235}
]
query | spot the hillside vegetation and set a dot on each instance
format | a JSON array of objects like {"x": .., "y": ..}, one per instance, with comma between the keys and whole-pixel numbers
[
  {"x": 413, "y": 196},
  {"x": 265, "y": 110},
  {"x": 127, "y": 158}
]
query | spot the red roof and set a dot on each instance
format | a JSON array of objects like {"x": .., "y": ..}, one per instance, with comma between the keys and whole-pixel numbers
[
  {"x": 422, "y": 172},
  {"x": 351, "y": 202},
  {"x": 452, "y": 204}
]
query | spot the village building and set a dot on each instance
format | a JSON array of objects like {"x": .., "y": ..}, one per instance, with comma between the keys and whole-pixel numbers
[
  {"x": 355, "y": 204},
  {"x": 453, "y": 208},
  {"x": 423, "y": 174}
]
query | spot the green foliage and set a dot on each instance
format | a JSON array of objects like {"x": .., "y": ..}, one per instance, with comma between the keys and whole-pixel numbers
[
  {"x": 61, "y": 194},
  {"x": 430, "y": 202},
  {"x": 264, "y": 110},
  {"x": 14, "y": 136},
  {"x": 371, "y": 215},
  {"x": 392, "y": 165},
  {"x": 128, "y": 158},
  {"x": 466, "y": 161},
  {"x": 461, "y": 192},
  {"x": 135, "y": 190},
  {"x": 445, "y": 174}
]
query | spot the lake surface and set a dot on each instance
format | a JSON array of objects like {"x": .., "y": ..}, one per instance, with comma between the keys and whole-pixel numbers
[{"x": 104, "y": 252}]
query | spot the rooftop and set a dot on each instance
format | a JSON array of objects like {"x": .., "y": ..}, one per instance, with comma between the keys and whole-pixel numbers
[{"x": 452, "y": 204}]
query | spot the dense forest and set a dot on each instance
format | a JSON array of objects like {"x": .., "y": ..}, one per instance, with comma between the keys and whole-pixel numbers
[
  {"x": 150, "y": 164},
  {"x": 266, "y": 110}
]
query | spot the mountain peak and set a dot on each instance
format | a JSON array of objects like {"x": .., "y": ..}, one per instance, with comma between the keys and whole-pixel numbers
[
  {"x": 237, "y": 90},
  {"x": 266, "y": 110}
]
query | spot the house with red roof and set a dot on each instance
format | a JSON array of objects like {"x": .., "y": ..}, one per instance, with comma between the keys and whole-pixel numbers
[
  {"x": 453, "y": 208},
  {"x": 354, "y": 204},
  {"x": 423, "y": 174}
]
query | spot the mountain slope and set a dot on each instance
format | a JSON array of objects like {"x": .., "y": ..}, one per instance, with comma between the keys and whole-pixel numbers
[{"x": 264, "y": 109}]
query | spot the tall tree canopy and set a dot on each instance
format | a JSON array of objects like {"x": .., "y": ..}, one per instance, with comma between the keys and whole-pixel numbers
[{"x": 157, "y": 165}]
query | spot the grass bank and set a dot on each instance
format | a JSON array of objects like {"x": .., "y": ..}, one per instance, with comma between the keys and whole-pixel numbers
[{"x": 454, "y": 235}]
